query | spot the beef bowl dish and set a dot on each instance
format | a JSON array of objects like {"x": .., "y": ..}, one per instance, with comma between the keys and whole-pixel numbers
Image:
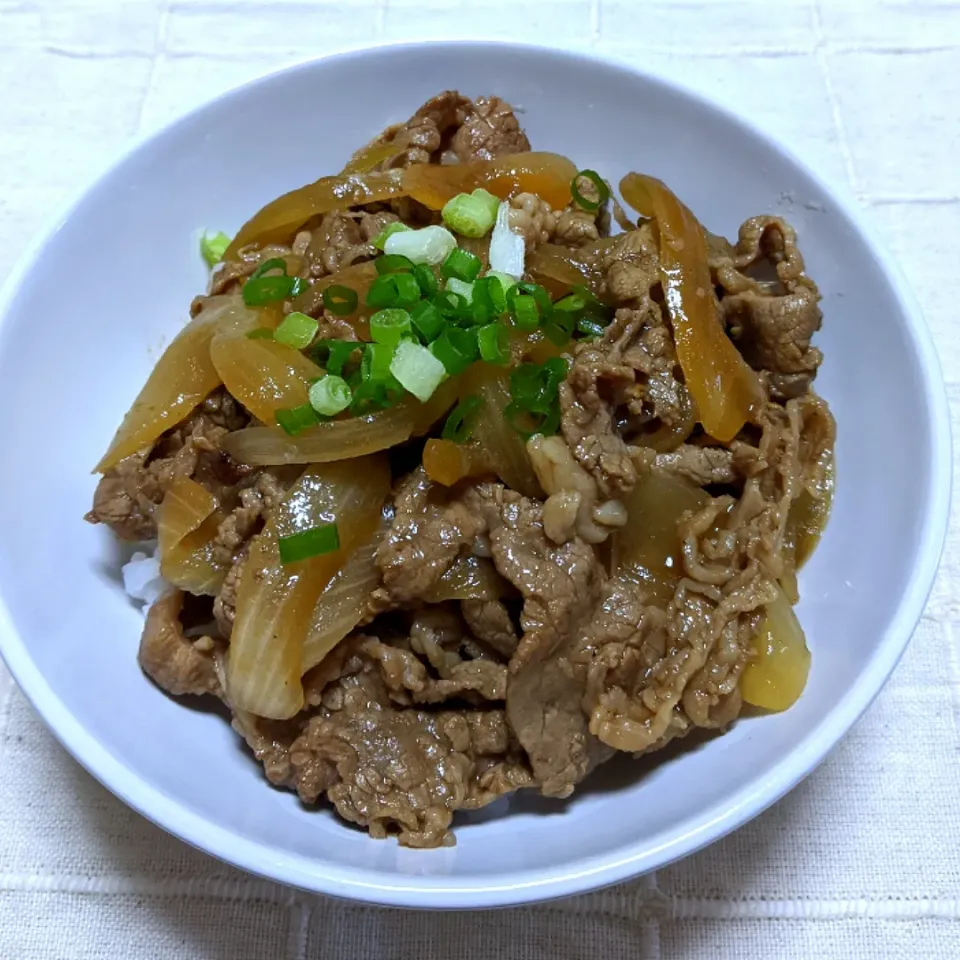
[{"x": 472, "y": 470}]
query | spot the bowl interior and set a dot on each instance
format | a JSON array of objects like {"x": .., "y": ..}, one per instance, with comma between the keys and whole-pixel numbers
[{"x": 70, "y": 363}]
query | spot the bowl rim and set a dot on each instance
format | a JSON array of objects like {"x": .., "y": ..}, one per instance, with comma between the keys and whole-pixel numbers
[{"x": 633, "y": 859}]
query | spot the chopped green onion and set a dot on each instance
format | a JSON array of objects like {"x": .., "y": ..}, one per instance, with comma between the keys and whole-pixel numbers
[
  {"x": 539, "y": 294},
  {"x": 489, "y": 300},
  {"x": 261, "y": 333},
  {"x": 390, "y": 326},
  {"x": 394, "y": 290},
  {"x": 460, "y": 287},
  {"x": 340, "y": 300},
  {"x": 333, "y": 354},
  {"x": 452, "y": 306},
  {"x": 417, "y": 369},
  {"x": 377, "y": 358},
  {"x": 392, "y": 263},
  {"x": 263, "y": 290},
  {"x": 603, "y": 191},
  {"x": 507, "y": 282},
  {"x": 557, "y": 334},
  {"x": 456, "y": 349},
  {"x": 318, "y": 540},
  {"x": 461, "y": 265},
  {"x": 470, "y": 214},
  {"x": 526, "y": 314},
  {"x": 214, "y": 247},
  {"x": 429, "y": 245},
  {"x": 330, "y": 395},
  {"x": 425, "y": 279},
  {"x": 427, "y": 321},
  {"x": 589, "y": 328},
  {"x": 462, "y": 419},
  {"x": 296, "y": 330},
  {"x": 371, "y": 395},
  {"x": 493, "y": 344},
  {"x": 380, "y": 241},
  {"x": 295, "y": 420},
  {"x": 274, "y": 263},
  {"x": 534, "y": 387},
  {"x": 573, "y": 303},
  {"x": 528, "y": 423}
]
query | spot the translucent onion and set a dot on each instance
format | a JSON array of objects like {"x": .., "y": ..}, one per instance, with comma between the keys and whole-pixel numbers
[
  {"x": 448, "y": 463},
  {"x": 648, "y": 549},
  {"x": 194, "y": 564},
  {"x": 546, "y": 174},
  {"x": 185, "y": 506},
  {"x": 280, "y": 219},
  {"x": 503, "y": 446},
  {"x": 343, "y": 603},
  {"x": 371, "y": 156},
  {"x": 341, "y": 439},
  {"x": 183, "y": 377},
  {"x": 777, "y": 675},
  {"x": 265, "y": 376},
  {"x": 275, "y": 603},
  {"x": 559, "y": 268},
  {"x": 469, "y": 578},
  {"x": 726, "y": 391}
]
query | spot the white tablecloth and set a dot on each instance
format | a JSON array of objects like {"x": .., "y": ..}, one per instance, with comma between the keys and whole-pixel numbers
[{"x": 863, "y": 859}]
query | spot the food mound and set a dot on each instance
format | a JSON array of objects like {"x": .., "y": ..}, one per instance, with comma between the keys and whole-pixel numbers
[{"x": 462, "y": 480}]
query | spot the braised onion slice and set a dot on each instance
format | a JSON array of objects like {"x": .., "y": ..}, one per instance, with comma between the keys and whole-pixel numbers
[
  {"x": 275, "y": 602},
  {"x": 726, "y": 391},
  {"x": 183, "y": 377}
]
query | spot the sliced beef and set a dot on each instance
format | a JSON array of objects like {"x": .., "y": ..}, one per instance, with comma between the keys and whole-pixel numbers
[
  {"x": 559, "y": 585},
  {"x": 624, "y": 386},
  {"x": 489, "y": 621},
  {"x": 704, "y": 466},
  {"x": 489, "y": 129},
  {"x": 427, "y": 534},
  {"x": 173, "y": 661}
]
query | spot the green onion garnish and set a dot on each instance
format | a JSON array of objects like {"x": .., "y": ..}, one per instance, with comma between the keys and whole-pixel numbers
[
  {"x": 377, "y": 358},
  {"x": 456, "y": 349},
  {"x": 471, "y": 214},
  {"x": 214, "y": 247},
  {"x": 462, "y": 419},
  {"x": 340, "y": 300},
  {"x": 390, "y": 229},
  {"x": 274, "y": 263},
  {"x": 427, "y": 321},
  {"x": 371, "y": 395},
  {"x": 603, "y": 191},
  {"x": 318, "y": 540},
  {"x": 261, "y": 333},
  {"x": 493, "y": 344},
  {"x": 461, "y": 265},
  {"x": 557, "y": 334},
  {"x": 425, "y": 279},
  {"x": 417, "y": 369},
  {"x": 333, "y": 354},
  {"x": 330, "y": 395},
  {"x": 526, "y": 314},
  {"x": 461, "y": 288},
  {"x": 264, "y": 290},
  {"x": 527, "y": 422},
  {"x": 295, "y": 420},
  {"x": 534, "y": 387},
  {"x": 539, "y": 294},
  {"x": 394, "y": 290},
  {"x": 452, "y": 306},
  {"x": 428, "y": 245},
  {"x": 296, "y": 330},
  {"x": 589, "y": 328},
  {"x": 393, "y": 263},
  {"x": 390, "y": 326}
]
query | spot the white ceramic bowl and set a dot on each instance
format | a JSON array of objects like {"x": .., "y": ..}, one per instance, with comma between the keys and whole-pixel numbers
[{"x": 86, "y": 311}]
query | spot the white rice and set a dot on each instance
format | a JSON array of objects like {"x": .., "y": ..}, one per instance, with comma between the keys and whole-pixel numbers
[{"x": 142, "y": 579}]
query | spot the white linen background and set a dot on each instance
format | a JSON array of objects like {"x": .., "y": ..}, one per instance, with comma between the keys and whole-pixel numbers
[{"x": 862, "y": 859}]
